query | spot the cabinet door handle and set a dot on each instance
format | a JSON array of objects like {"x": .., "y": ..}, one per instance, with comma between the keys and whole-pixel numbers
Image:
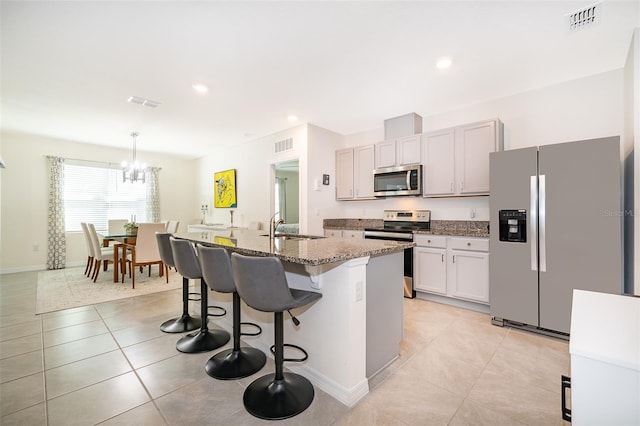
[
  {"x": 469, "y": 244},
  {"x": 442, "y": 258},
  {"x": 454, "y": 258},
  {"x": 566, "y": 384},
  {"x": 451, "y": 187},
  {"x": 461, "y": 185}
]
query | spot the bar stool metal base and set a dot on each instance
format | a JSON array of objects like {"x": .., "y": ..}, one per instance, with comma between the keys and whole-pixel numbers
[
  {"x": 203, "y": 341},
  {"x": 235, "y": 364},
  {"x": 271, "y": 399},
  {"x": 181, "y": 324}
]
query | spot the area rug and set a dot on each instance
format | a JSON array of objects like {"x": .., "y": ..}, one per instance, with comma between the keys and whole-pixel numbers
[{"x": 70, "y": 288}]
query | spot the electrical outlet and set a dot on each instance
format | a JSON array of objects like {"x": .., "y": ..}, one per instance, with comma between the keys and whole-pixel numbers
[{"x": 359, "y": 291}]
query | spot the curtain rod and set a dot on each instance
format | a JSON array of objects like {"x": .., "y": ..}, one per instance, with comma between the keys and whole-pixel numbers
[{"x": 94, "y": 162}]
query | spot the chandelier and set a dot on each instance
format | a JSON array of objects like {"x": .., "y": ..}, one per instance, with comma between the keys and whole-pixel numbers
[{"x": 134, "y": 172}]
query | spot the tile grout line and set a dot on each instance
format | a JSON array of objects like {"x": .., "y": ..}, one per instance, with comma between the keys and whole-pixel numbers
[
  {"x": 44, "y": 374},
  {"x": 134, "y": 370}
]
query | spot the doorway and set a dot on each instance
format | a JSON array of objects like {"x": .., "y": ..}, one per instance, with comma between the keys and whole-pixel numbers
[{"x": 287, "y": 193}]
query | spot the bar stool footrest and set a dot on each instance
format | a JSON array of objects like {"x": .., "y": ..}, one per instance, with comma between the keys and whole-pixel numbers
[
  {"x": 223, "y": 310},
  {"x": 287, "y": 345},
  {"x": 194, "y": 299},
  {"x": 252, "y": 324},
  {"x": 271, "y": 399}
]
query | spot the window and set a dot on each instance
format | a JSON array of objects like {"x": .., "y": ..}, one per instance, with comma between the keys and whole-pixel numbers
[{"x": 95, "y": 194}]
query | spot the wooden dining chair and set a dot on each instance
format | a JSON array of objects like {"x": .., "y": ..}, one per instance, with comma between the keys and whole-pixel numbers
[{"x": 145, "y": 251}]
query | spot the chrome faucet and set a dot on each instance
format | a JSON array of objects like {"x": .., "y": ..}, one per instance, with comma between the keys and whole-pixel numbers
[{"x": 273, "y": 225}]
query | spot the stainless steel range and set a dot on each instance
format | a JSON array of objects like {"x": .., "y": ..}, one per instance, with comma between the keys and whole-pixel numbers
[{"x": 399, "y": 225}]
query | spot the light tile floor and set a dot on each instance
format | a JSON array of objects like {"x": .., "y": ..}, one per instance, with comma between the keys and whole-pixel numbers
[{"x": 110, "y": 364}]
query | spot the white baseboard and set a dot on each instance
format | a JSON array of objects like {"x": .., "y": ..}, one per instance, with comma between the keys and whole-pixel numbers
[
  {"x": 348, "y": 397},
  {"x": 472, "y": 306}
]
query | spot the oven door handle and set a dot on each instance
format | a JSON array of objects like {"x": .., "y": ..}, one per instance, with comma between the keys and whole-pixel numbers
[{"x": 389, "y": 235}]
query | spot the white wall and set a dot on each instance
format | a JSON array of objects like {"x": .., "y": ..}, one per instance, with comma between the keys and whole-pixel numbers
[
  {"x": 633, "y": 128},
  {"x": 313, "y": 147},
  {"x": 586, "y": 108},
  {"x": 24, "y": 195},
  {"x": 254, "y": 177},
  {"x": 321, "y": 202}
]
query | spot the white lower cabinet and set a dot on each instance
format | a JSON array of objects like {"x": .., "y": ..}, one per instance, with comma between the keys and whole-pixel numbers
[
  {"x": 352, "y": 234},
  {"x": 451, "y": 266},
  {"x": 346, "y": 233},
  {"x": 430, "y": 264}
]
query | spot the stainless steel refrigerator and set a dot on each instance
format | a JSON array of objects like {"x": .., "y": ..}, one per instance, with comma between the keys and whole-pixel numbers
[{"x": 556, "y": 226}]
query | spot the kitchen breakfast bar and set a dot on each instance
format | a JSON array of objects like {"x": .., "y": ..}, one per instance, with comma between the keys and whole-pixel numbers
[{"x": 352, "y": 332}]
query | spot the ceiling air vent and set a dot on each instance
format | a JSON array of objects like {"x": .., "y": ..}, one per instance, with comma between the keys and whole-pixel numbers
[
  {"x": 584, "y": 18},
  {"x": 142, "y": 101},
  {"x": 284, "y": 145}
]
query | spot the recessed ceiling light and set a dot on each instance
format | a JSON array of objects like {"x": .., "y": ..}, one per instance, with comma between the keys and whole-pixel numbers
[
  {"x": 292, "y": 118},
  {"x": 200, "y": 87},
  {"x": 444, "y": 63}
]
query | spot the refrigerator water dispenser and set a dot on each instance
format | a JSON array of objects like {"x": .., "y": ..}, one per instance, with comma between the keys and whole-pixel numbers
[{"x": 513, "y": 225}]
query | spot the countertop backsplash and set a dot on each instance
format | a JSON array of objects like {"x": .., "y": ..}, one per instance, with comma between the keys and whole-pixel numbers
[{"x": 467, "y": 228}]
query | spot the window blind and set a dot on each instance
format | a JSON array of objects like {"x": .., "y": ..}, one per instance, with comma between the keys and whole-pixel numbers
[{"x": 95, "y": 194}]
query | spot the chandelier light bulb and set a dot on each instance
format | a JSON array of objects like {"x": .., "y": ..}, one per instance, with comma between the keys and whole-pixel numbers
[{"x": 135, "y": 172}]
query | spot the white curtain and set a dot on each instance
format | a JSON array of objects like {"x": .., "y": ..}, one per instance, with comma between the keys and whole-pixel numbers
[
  {"x": 153, "y": 194},
  {"x": 56, "y": 240}
]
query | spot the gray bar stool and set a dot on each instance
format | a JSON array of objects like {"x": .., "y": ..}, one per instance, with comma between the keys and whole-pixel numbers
[
  {"x": 262, "y": 284},
  {"x": 238, "y": 362},
  {"x": 186, "y": 262},
  {"x": 185, "y": 322}
]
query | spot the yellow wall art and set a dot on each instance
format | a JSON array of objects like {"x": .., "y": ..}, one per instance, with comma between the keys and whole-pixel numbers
[{"x": 224, "y": 193}]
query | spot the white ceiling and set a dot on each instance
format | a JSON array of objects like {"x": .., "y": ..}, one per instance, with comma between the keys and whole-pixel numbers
[{"x": 69, "y": 67}]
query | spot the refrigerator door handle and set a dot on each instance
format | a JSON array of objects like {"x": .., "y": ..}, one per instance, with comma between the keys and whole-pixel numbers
[
  {"x": 542, "y": 218},
  {"x": 533, "y": 222}
]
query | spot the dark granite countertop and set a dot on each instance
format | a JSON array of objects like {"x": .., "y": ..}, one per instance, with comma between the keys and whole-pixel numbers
[
  {"x": 315, "y": 251},
  {"x": 464, "y": 228}
]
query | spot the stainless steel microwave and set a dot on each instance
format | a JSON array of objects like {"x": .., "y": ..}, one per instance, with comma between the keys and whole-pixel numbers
[{"x": 400, "y": 180}]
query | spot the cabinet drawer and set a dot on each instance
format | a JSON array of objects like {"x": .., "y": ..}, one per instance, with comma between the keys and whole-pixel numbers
[
  {"x": 332, "y": 233},
  {"x": 476, "y": 244},
  {"x": 352, "y": 234},
  {"x": 430, "y": 241}
]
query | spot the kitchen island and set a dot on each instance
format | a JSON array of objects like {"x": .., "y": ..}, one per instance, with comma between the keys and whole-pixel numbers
[{"x": 354, "y": 330}]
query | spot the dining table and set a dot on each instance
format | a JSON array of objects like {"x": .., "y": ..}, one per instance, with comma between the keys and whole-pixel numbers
[{"x": 122, "y": 239}]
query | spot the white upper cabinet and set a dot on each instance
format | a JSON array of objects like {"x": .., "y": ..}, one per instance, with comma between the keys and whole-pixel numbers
[
  {"x": 354, "y": 173},
  {"x": 408, "y": 150},
  {"x": 475, "y": 142},
  {"x": 386, "y": 154},
  {"x": 344, "y": 174},
  {"x": 456, "y": 160},
  {"x": 364, "y": 157},
  {"x": 438, "y": 162},
  {"x": 398, "y": 152}
]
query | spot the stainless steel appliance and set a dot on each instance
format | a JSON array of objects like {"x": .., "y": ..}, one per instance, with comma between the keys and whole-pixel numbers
[
  {"x": 557, "y": 212},
  {"x": 401, "y": 180},
  {"x": 399, "y": 225}
]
